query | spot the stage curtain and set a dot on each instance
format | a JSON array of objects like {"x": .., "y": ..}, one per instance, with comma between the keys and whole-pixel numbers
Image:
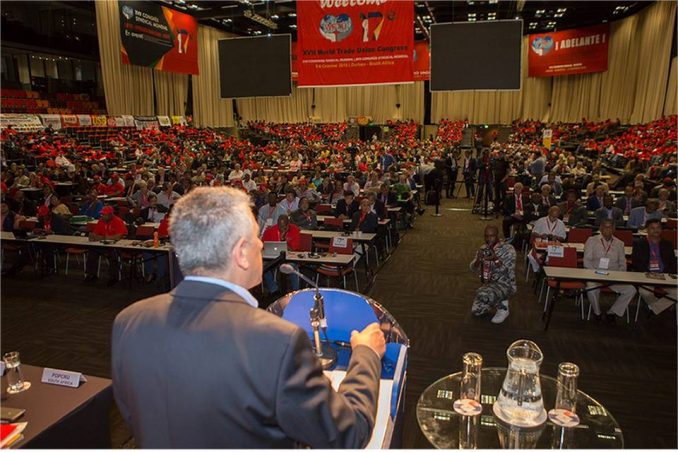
[
  {"x": 171, "y": 92},
  {"x": 128, "y": 89},
  {"x": 336, "y": 104},
  {"x": 671, "y": 103},
  {"x": 209, "y": 109},
  {"x": 294, "y": 108},
  {"x": 655, "y": 34}
]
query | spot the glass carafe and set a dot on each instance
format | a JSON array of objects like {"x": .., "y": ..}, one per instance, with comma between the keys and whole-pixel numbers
[{"x": 520, "y": 402}]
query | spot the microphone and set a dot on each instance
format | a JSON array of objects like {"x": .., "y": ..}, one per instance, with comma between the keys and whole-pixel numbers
[
  {"x": 289, "y": 269},
  {"x": 326, "y": 355}
]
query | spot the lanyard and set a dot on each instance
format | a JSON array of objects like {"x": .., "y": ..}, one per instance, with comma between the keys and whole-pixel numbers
[
  {"x": 519, "y": 202},
  {"x": 654, "y": 250},
  {"x": 551, "y": 227},
  {"x": 606, "y": 249}
]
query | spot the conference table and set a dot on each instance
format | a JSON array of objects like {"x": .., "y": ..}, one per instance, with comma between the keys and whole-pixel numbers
[
  {"x": 60, "y": 417},
  {"x": 362, "y": 238},
  {"x": 83, "y": 242},
  {"x": 605, "y": 278}
]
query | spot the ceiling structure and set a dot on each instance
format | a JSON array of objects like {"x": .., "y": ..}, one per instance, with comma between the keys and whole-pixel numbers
[{"x": 257, "y": 17}]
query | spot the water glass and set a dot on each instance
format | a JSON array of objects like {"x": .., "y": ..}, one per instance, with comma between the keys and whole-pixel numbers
[
  {"x": 470, "y": 380},
  {"x": 15, "y": 377},
  {"x": 566, "y": 398}
]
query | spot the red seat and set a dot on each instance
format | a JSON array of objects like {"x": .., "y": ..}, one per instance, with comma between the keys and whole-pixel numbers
[
  {"x": 579, "y": 235},
  {"x": 569, "y": 260},
  {"x": 322, "y": 209},
  {"x": 305, "y": 243},
  {"x": 670, "y": 235},
  {"x": 334, "y": 223},
  {"x": 339, "y": 271},
  {"x": 625, "y": 236},
  {"x": 145, "y": 232}
]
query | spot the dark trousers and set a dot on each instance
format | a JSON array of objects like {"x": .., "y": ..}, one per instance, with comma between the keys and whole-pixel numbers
[
  {"x": 451, "y": 182},
  {"x": 468, "y": 182},
  {"x": 507, "y": 223},
  {"x": 499, "y": 195}
]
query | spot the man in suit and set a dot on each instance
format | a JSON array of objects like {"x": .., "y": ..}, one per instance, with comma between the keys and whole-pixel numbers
[
  {"x": 202, "y": 367},
  {"x": 547, "y": 199},
  {"x": 469, "y": 173},
  {"x": 655, "y": 255},
  {"x": 514, "y": 209},
  {"x": 595, "y": 201},
  {"x": 609, "y": 212},
  {"x": 387, "y": 196},
  {"x": 155, "y": 212},
  {"x": 365, "y": 220},
  {"x": 628, "y": 201},
  {"x": 535, "y": 209},
  {"x": 640, "y": 215},
  {"x": 451, "y": 172},
  {"x": 376, "y": 206},
  {"x": 573, "y": 212},
  {"x": 347, "y": 206}
]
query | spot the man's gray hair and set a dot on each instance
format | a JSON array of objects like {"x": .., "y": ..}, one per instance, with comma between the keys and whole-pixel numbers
[{"x": 206, "y": 224}]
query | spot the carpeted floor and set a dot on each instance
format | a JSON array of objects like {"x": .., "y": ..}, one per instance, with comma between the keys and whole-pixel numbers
[{"x": 61, "y": 322}]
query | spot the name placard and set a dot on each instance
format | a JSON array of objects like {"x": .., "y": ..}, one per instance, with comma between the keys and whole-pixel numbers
[
  {"x": 555, "y": 251},
  {"x": 62, "y": 377}
]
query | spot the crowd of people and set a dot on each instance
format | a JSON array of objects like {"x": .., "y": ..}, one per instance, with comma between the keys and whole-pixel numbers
[{"x": 288, "y": 170}]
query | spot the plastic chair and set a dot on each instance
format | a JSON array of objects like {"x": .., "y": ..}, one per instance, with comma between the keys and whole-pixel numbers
[
  {"x": 625, "y": 235},
  {"x": 579, "y": 235},
  {"x": 569, "y": 260},
  {"x": 339, "y": 271},
  {"x": 305, "y": 243}
]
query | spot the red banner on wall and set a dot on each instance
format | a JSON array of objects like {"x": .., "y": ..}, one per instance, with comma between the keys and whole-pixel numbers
[
  {"x": 577, "y": 51},
  {"x": 422, "y": 61},
  {"x": 158, "y": 37},
  {"x": 355, "y": 42}
]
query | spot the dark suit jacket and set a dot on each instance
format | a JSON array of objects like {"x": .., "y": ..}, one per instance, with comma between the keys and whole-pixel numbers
[
  {"x": 621, "y": 203},
  {"x": 472, "y": 166},
  {"x": 510, "y": 204},
  {"x": 200, "y": 368},
  {"x": 533, "y": 214},
  {"x": 617, "y": 216},
  {"x": 578, "y": 215},
  {"x": 593, "y": 204},
  {"x": 640, "y": 258},
  {"x": 380, "y": 208},
  {"x": 343, "y": 209},
  {"x": 391, "y": 198},
  {"x": 369, "y": 224}
]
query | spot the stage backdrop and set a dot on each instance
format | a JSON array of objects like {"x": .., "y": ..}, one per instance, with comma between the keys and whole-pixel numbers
[
  {"x": 576, "y": 51},
  {"x": 158, "y": 37},
  {"x": 341, "y": 44}
]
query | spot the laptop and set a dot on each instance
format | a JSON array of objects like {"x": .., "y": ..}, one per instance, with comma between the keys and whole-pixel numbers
[{"x": 273, "y": 249}]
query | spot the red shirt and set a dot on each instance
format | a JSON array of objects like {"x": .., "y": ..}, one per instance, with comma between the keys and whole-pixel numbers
[
  {"x": 115, "y": 189},
  {"x": 163, "y": 227},
  {"x": 114, "y": 227},
  {"x": 272, "y": 234}
]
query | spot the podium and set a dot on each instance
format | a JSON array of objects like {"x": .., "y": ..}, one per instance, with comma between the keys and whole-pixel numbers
[{"x": 347, "y": 311}]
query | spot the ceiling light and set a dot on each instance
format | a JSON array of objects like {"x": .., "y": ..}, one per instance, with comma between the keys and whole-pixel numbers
[
  {"x": 562, "y": 10},
  {"x": 471, "y": 14},
  {"x": 292, "y": 15},
  {"x": 471, "y": 19},
  {"x": 294, "y": 26},
  {"x": 274, "y": 17},
  {"x": 493, "y": 2},
  {"x": 471, "y": 3}
]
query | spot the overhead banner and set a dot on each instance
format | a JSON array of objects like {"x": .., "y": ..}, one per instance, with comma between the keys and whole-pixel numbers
[
  {"x": 576, "y": 51},
  {"x": 158, "y": 37},
  {"x": 422, "y": 61},
  {"x": 343, "y": 42},
  {"x": 20, "y": 122},
  {"x": 53, "y": 121}
]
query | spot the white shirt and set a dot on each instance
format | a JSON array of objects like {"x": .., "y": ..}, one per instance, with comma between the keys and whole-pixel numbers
[
  {"x": 249, "y": 185},
  {"x": 544, "y": 226},
  {"x": 238, "y": 290},
  {"x": 235, "y": 174},
  {"x": 289, "y": 207}
]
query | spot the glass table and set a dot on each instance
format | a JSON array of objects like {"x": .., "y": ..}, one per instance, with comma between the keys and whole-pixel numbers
[{"x": 445, "y": 429}]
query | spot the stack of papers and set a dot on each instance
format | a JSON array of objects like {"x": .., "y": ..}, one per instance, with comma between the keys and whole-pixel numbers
[{"x": 10, "y": 434}]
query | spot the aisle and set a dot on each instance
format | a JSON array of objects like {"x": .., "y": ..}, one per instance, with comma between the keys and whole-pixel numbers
[{"x": 428, "y": 288}]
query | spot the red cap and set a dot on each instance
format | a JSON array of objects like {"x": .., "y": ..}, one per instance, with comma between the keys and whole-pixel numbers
[
  {"x": 43, "y": 211},
  {"x": 107, "y": 210}
]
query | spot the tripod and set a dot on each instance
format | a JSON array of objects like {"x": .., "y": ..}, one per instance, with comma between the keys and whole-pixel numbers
[{"x": 482, "y": 197}]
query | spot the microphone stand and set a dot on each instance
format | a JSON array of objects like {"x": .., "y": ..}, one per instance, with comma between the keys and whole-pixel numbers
[{"x": 326, "y": 355}]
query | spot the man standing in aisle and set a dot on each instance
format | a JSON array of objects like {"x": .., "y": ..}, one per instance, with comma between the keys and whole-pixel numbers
[
  {"x": 202, "y": 367},
  {"x": 495, "y": 261},
  {"x": 606, "y": 252},
  {"x": 451, "y": 173}
]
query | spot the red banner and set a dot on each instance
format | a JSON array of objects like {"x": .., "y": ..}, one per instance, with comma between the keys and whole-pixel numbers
[
  {"x": 422, "y": 61},
  {"x": 355, "y": 42},
  {"x": 577, "y": 51},
  {"x": 158, "y": 37}
]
